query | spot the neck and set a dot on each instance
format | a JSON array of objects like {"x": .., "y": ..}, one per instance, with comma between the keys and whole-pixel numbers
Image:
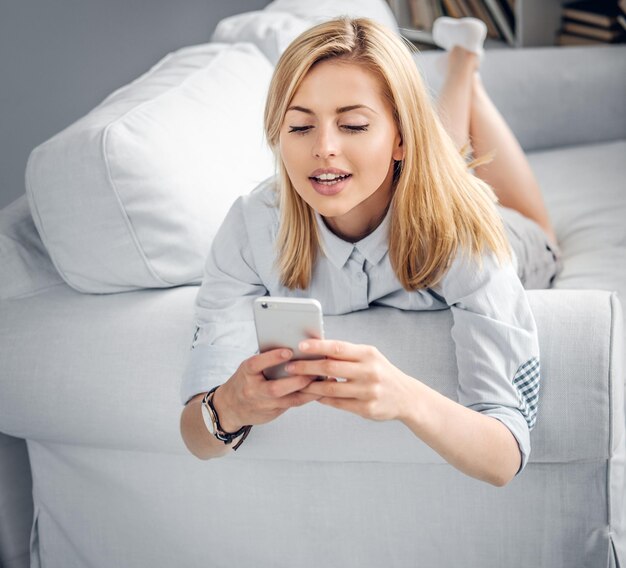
[
  {"x": 363, "y": 220},
  {"x": 354, "y": 232}
]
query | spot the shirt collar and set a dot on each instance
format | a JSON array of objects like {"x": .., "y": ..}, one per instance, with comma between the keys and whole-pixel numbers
[{"x": 373, "y": 247}]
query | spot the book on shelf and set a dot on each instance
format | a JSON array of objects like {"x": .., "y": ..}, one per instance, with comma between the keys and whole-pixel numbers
[
  {"x": 465, "y": 8},
  {"x": 424, "y": 13},
  {"x": 613, "y": 34},
  {"x": 489, "y": 11},
  {"x": 479, "y": 10},
  {"x": 452, "y": 8},
  {"x": 498, "y": 16},
  {"x": 504, "y": 18},
  {"x": 601, "y": 13},
  {"x": 572, "y": 39}
]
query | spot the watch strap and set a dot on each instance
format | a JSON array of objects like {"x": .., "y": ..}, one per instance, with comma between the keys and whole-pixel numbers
[{"x": 217, "y": 430}]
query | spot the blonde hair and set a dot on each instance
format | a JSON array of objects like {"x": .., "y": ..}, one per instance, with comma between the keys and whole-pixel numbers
[{"x": 437, "y": 206}]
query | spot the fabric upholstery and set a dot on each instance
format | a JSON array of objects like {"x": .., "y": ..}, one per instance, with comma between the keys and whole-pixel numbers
[
  {"x": 131, "y": 194},
  {"x": 26, "y": 265},
  {"x": 320, "y": 10},
  {"x": 139, "y": 366},
  {"x": 16, "y": 502},
  {"x": 575, "y": 96},
  {"x": 271, "y": 32}
]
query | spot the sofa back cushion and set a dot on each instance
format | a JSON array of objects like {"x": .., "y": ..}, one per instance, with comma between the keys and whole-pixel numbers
[
  {"x": 130, "y": 195},
  {"x": 320, "y": 10},
  {"x": 271, "y": 32},
  {"x": 275, "y": 27}
]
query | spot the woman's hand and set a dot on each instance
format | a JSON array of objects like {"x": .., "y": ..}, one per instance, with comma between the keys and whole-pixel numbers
[
  {"x": 249, "y": 398},
  {"x": 373, "y": 387}
]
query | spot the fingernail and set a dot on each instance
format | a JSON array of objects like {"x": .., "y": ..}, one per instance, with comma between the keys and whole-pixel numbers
[
  {"x": 289, "y": 368},
  {"x": 304, "y": 346},
  {"x": 285, "y": 354}
]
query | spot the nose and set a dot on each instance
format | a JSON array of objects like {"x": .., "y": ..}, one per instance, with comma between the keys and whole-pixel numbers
[{"x": 326, "y": 143}]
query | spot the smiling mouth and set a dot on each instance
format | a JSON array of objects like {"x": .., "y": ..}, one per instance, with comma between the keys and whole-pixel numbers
[{"x": 332, "y": 181}]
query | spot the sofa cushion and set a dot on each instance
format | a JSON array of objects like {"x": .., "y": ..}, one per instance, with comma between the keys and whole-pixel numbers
[
  {"x": 584, "y": 191},
  {"x": 271, "y": 32},
  {"x": 320, "y": 10},
  {"x": 275, "y": 27},
  {"x": 131, "y": 194},
  {"x": 26, "y": 265}
]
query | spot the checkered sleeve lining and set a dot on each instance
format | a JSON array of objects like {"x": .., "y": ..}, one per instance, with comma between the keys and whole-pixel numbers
[{"x": 526, "y": 382}]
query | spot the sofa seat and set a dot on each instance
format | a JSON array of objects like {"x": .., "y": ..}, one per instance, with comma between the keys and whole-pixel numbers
[{"x": 585, "y": 192}]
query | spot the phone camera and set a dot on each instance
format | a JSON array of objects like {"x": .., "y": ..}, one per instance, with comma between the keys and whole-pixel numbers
[{"x": 264, "y": 305}]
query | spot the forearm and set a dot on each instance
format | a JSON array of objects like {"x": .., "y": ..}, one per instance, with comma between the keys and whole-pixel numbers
[
  {"x": 199, "y": 441},
  {"x": 476, "y": 444}
]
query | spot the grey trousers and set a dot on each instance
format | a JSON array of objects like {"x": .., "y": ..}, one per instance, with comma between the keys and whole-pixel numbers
[{"x": 539, "y": 261}]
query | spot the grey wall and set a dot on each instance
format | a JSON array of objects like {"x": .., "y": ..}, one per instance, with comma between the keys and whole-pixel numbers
[{"x": 60, "y": 58}]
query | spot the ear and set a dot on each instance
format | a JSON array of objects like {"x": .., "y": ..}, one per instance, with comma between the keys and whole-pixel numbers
[{"x": 398, "y": 150}]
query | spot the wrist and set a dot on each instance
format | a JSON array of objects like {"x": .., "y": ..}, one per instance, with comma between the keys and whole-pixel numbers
[
  {"x": 228, "y": 420},
  {"x": 414, "y": 404}
]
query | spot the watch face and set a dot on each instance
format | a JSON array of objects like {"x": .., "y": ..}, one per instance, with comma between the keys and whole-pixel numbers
[{"x": 207, "y": 420}]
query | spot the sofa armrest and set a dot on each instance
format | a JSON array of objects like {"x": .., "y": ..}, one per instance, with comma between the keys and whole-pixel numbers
[
  {"x": 552, "y": 96},
  {"x": 123, "y": 378},
  {"x": 581, "y": 401}
]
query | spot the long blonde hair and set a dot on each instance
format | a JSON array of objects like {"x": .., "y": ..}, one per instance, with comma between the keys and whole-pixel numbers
[{"x": 437, "y": 207}]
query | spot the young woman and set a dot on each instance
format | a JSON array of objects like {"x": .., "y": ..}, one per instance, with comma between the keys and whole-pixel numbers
[{"x": 374, "y": 203}]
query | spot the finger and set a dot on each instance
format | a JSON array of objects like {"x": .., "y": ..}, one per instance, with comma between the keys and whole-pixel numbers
[
  {"x": 279, "y": 388},
  {"x": 296, "y": 399},
  {"x": 326, "y": 368},
  {"x": 335, "y": 349},
  {"x": 257, "y": 363},
  {"x": 333, "y": 389},
  {"x": 348, "y": 404}
]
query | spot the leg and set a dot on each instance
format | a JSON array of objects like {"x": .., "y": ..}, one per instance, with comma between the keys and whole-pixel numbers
[
  {"x": 455, "y": 98},
  {"x": 509, "y": 174},
  {"x": 468, "y": 113}
]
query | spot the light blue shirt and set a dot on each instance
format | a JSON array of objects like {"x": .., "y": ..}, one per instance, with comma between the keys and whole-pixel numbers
[{"x": 494, "y": 331}]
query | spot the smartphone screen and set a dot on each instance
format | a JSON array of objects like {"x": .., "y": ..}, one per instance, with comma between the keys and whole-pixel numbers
[{"x": 285, "y": 322}]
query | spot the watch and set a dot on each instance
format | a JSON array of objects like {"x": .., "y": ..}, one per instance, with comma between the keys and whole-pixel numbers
[{"x": 212, "y": 422}]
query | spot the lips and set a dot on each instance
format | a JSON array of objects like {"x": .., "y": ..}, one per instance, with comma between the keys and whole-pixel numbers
[
  {"x": 335, "y": 171},
  {"x": 330, "y": 187}
]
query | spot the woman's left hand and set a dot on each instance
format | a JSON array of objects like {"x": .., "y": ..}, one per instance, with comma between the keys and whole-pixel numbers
[{"x": 373, "y": 388}]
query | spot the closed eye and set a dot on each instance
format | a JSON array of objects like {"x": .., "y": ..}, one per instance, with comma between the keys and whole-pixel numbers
[
  {"x": 350, "y": 128},
  {"x": 354, "y": 129},
  {"x": 299, "y": 129}
]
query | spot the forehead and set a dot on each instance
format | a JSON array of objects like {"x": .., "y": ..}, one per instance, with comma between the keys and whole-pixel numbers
[{"x": 335, "y": 81}]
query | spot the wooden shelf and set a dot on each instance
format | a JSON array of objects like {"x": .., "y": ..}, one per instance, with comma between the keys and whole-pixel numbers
[{"x": 536, "y": 24}]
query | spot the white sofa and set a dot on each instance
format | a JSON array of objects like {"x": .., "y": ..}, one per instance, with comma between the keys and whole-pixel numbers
[{"x": 93, "y": 472}]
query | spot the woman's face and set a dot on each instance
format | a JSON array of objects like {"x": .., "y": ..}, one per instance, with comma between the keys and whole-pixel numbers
[{"x": 338, "y": 143}]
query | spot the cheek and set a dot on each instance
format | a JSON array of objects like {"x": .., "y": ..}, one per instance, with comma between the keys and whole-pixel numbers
[
  {"x": 289, "y": 153},
  {"x": 376, "y": 154}
]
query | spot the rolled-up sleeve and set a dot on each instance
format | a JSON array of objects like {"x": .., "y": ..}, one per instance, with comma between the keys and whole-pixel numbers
[
  {"x": 224, "y": 326},
  {"x": 496, "y": 343}
]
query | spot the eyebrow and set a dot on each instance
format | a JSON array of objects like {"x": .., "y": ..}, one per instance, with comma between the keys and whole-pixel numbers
[{"x": 338, "y": 110}]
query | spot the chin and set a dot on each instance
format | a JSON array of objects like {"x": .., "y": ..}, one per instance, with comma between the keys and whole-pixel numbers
[{"x": 329, "y": 206}]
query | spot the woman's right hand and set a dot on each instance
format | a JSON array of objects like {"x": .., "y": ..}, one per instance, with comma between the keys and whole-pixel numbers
[{"x": 248, "y": 398}]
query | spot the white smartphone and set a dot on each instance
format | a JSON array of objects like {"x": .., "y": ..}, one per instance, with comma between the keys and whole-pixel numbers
[{"x": 285, "y": 322}]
